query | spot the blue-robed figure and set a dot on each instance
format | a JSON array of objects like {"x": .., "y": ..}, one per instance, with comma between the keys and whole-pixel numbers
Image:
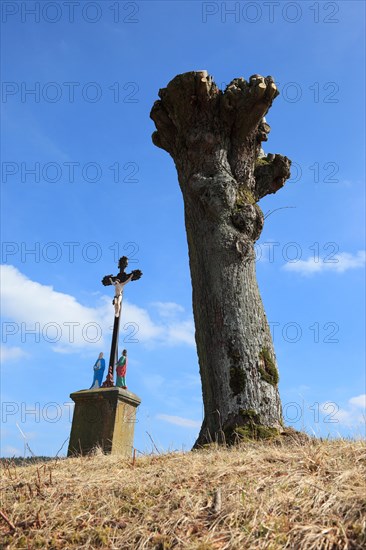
[{"x": 99, "y": 367}]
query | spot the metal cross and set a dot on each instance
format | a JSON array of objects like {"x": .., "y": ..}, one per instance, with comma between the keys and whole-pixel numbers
[{"x": 119, "y": 281}]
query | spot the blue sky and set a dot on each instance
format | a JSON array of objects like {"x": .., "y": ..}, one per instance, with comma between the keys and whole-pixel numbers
[{"x": 99, "y": 189}]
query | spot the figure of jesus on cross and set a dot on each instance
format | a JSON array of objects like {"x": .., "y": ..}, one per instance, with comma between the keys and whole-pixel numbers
[
  {"x": 119, "y": 281},
  {"x": 118, "y": 289}
]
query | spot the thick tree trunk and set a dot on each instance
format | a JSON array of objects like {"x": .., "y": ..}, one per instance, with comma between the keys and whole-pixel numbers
[{"x": 214, "y": 138}]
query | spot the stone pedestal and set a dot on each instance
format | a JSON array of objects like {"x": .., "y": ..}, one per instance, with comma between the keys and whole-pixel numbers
[{"x": 106, "y": 418}]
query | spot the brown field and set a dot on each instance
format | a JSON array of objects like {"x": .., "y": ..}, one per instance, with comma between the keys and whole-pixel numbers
[{"x": 268, "y": 495}]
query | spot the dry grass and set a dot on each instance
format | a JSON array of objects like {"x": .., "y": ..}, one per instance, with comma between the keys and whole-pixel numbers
[{"x": 256, "y": 495}]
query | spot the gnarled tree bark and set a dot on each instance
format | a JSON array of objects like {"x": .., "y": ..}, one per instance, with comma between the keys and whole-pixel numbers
[{"x": 214, "y": 138}]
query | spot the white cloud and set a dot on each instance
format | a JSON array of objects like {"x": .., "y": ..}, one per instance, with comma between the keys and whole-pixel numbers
[
  {"x": 179, "y": 421},
  {"x": 8, "y": 353},
  {"x": 168, "y": 309},
  {"x": 174, "y": 328},
  {"x": 181, "y": 332},
  {"x": 70, "y": 326},
  {"x": 345, "y": 261},
  {"x": 350, "y": 416},
  {"x": 359, "y": 401},
  {"x": 62, "y": 321}
]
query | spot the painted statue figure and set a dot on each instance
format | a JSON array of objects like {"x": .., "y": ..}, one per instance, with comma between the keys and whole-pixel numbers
[
  {"x": 118, "y": 289},
  {"x": 121, "y": 370},
  {"x": 99, "y": 367}
]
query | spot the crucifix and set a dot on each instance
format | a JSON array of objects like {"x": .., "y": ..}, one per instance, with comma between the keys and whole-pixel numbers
[{"x": 119, "y": 281}]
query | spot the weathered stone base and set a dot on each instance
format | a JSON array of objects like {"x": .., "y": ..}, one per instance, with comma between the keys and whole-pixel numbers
[{"x": 104, "y": 417}]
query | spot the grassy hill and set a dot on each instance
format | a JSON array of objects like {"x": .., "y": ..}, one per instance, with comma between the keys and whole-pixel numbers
[{"x": 271, "y": 495}]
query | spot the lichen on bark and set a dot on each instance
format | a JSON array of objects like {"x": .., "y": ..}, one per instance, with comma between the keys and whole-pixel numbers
[{"x": 214, "y": 137}]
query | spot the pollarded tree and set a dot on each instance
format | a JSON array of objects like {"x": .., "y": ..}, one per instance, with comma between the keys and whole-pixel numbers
[{"x": 214, "y": 138}]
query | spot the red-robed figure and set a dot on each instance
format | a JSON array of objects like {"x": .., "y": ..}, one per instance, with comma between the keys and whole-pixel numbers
[{"x": 121, "y": 370}]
